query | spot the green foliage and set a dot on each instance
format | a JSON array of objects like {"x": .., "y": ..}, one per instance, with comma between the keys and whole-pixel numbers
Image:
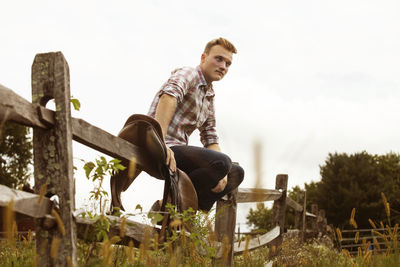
[
  {"x": 199, "y": 234},
  {"x": 19, "y": 253},
  {"x": 97, "y": 172},
  {"x": 75, "y": 103},
  {"x": 101, "y": 227},
  {"x": 16, "y": 154},
  {"x": 260, "y": 219},
  {"x": 356, "y": 181}
]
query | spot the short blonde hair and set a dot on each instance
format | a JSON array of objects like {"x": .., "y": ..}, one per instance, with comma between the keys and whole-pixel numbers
[{"x": 222, "y": 42}]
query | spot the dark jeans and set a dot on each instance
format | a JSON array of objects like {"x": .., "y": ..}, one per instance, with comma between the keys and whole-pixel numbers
[{"x": 206, "y": 167}]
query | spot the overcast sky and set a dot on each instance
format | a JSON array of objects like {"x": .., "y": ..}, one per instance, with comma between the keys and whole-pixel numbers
[{"x": 310, "y": 77}]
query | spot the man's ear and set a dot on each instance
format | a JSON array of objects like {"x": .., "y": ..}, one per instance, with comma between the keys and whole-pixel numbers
[{"x": 203, "y": 56}]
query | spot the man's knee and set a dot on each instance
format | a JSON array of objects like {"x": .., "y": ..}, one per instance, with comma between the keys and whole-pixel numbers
[
  {"x": 237, "y": 171},
  {"x": 222, "y": 165}
]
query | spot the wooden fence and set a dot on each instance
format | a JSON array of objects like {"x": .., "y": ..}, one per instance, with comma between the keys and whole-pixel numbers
[
  {"x": 377, "y": 240},
  {"x": 53, "y": 132}
]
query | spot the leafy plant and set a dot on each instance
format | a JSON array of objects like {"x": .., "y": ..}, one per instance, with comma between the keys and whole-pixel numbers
[
  {"x": 96, "y": 172},
  {"x": 75, "y": 103}
]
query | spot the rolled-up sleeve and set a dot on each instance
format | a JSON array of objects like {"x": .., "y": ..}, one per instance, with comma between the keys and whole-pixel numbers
[
  {"x": 178, "y": 84},
  {"x": 208, "y": 131}
]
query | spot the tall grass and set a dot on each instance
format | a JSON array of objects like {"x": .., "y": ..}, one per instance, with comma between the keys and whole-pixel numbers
[
  {"x": 372, "y": 253},
  {"x": 181, "y": 248}
]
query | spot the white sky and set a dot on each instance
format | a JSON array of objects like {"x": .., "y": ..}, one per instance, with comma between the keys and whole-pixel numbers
[{"x": 310, "y": 77}]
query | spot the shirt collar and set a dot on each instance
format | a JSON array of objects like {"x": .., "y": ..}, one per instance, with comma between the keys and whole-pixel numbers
[{"x": 209, "y": 89}]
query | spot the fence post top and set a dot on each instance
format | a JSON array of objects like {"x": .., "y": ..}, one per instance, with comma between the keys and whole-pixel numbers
[{"x": 281, "y": 181}]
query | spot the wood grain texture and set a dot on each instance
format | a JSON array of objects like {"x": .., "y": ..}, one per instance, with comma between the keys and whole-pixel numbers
[
  {"x": 257, "y": 242},
  {"x": 134, "y": 231},
  {"x": 296, "y": 206},
  {"x": 52, "y": 149},
  {"x": 225, "y": 223},
  {"x": 24, "y": 202},
  {"x": 15, "y": 108},
  {"x": 257, "y": 195},
  {"x": 279, "y": 211}
]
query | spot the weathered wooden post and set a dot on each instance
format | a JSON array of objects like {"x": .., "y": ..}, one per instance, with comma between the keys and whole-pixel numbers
[
  {"x": 297, "y": 214},
  {"x": 279, "y": 209},
  {"x": 304, "y": 214},
  {"x": 321, "y": 221},
  {"x": 225, "y": 222},
  {"x": 300, "y": 215},
  {"x": 314, "y": 226},
  {"x": 53, "y": 159}
]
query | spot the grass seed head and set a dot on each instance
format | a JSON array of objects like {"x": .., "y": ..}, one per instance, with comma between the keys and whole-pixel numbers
[
  {"x": 372, "y": 223},
  {"x": 387, "y": 209},
  {"x": 353, "y": 223},
  {"x": 376, "y": 244},
  {"x": 132, "y": 168},
  {"x": 54, "y": 247},
  {"x": 123, "y": 225},
  {"x": 353, "y": 213},
  {"x": 60, "y": 224},
  {"x": 9, "y": 221},
  {"x": 357, "y": 236},
  {"x": 339, "y": 234}
]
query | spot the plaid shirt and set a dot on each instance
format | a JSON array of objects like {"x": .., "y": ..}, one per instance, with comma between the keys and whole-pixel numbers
[{"x": 195, "y": 107}]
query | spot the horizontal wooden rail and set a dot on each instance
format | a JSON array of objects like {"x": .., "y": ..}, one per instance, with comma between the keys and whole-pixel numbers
[
  {"x": 311, "y": 215},
  {"x": 257, "y": 242},
  {"x": 257, "y": 195},
  {"x": 17, "y": 109},
  {"x": 366, "y": 230},
  {"x": 133, "y": 231},
  {"x": 296, "y": 206},
  {"x": 27, "y": 204},
  {"x": 24, "y": 202}
]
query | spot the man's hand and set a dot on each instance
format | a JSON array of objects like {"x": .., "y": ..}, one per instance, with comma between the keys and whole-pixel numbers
[
  {"x": 221, "y": 185},
  {"x": 171, "y": 159}
]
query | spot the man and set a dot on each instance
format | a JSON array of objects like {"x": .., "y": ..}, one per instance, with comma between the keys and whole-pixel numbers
[{"x": 185, "y": 103}]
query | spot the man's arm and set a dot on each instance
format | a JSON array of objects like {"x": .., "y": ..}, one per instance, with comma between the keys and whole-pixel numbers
[{"x": 164, "y": 112}]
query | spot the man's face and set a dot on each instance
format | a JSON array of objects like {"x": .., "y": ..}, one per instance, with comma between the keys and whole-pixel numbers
[{"x": 215, "y": 63}]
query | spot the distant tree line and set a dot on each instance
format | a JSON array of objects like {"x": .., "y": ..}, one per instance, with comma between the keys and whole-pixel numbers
[{"x": 348, "y": 181}]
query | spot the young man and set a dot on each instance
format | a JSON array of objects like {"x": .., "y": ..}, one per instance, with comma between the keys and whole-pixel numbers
[{"x": 184, "y": 103}]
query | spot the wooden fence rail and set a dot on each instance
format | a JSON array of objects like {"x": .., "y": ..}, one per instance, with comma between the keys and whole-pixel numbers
[
  {"x": 53, "y": 132},
  {"x": 368, "y": 239}
]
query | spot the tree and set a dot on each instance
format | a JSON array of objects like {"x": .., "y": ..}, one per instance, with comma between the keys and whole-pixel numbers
[
  {"x": 356, "y": 181},
  {"x": 261, "y": 219},
  {"x": 16, "y": 154}
]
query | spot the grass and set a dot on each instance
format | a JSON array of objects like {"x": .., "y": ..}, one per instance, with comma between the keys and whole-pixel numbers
[
  {"x": 196, "y": 248},
  {"x": 20, "y": 251}
]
